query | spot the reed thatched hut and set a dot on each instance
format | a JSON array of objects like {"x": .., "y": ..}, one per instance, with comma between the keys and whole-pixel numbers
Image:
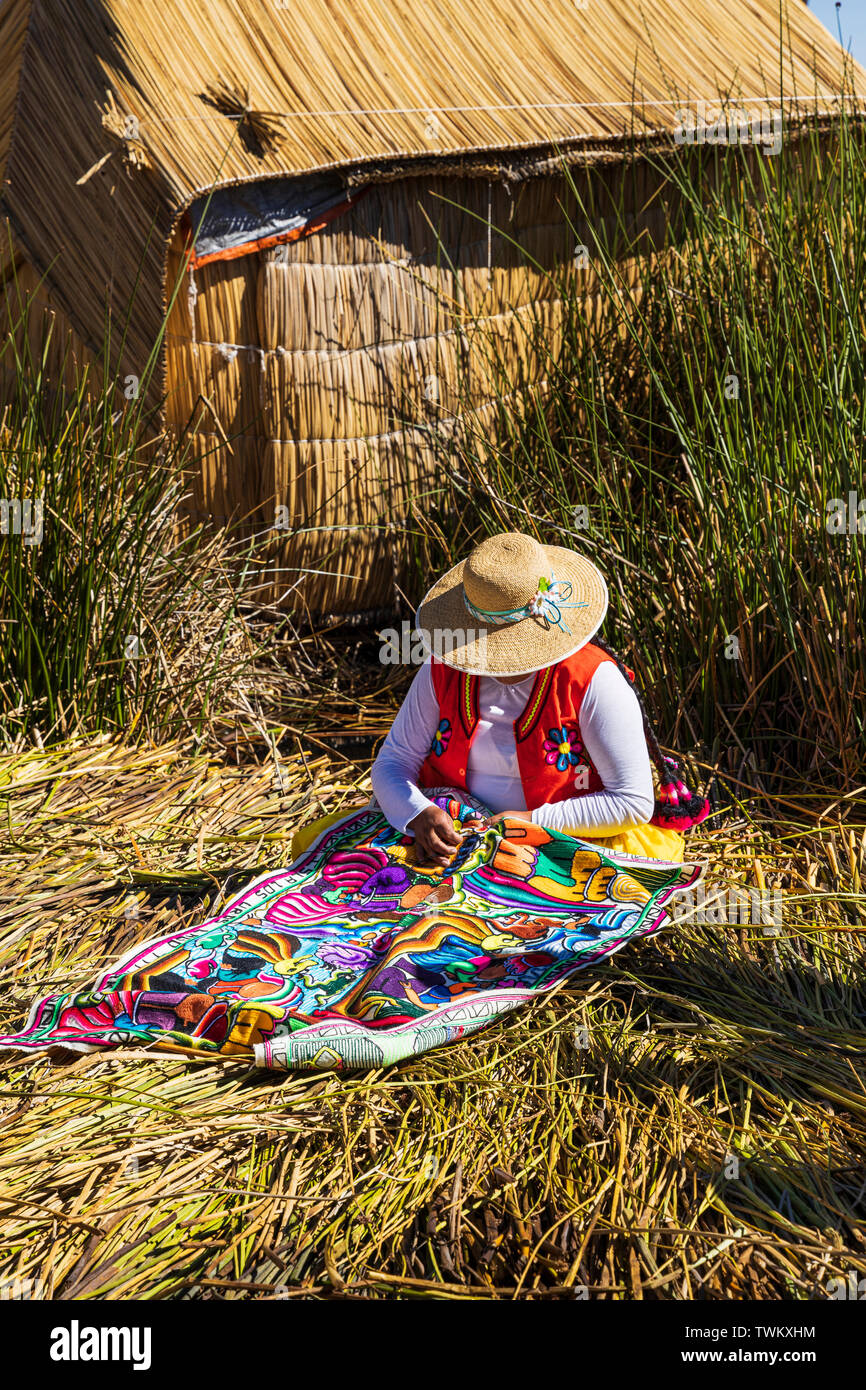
[{"x": 333, "y": 189}]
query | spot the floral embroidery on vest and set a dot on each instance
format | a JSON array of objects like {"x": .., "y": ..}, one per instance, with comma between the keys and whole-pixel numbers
[
  {"x": 564, "y": 747},
  {"x": 441, "y": 738}
]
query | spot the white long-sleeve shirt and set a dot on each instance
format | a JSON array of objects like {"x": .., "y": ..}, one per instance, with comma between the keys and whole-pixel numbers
[{"x": 611, "y": 728}]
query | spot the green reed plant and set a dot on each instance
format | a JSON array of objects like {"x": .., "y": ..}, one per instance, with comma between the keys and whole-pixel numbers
[
  {"x": 111, "y": 617},
  {"x": 705, "y": 404}
]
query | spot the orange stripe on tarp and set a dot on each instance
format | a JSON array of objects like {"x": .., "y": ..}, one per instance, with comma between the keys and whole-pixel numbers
[{"x": 248, "y": 248}]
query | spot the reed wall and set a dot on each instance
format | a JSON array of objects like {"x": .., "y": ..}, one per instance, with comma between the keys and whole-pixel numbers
[{"x": 313, "y": 376}]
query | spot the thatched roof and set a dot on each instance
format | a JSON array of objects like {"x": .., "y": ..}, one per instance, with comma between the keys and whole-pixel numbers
[{"x": 213, "y": 92}]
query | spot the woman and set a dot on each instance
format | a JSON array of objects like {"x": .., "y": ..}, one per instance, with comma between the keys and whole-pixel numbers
[{"x": 522, "y": 711}]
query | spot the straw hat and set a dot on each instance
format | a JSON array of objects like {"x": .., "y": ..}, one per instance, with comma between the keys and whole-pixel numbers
[{"x": 513, "y": 606}]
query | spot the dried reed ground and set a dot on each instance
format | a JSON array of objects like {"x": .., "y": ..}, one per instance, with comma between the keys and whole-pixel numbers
[{"x": 517, "y": 1165}]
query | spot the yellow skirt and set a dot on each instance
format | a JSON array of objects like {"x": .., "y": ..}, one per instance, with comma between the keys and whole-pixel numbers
[{"x": 648, "y": 841}]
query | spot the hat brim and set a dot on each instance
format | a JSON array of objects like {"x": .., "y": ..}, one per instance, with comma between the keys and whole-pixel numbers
[{"x": 449, "y": 632}]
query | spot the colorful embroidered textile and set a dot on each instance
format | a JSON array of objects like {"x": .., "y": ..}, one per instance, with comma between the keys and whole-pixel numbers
[{"x": 355, "y": 957}]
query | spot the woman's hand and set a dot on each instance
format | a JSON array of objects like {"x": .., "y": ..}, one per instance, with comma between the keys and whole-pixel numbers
[{"x": 436, "y": 840}]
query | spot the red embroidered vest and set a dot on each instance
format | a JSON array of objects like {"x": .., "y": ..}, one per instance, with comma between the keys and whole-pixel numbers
[{"x": 553, "y": 763}]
